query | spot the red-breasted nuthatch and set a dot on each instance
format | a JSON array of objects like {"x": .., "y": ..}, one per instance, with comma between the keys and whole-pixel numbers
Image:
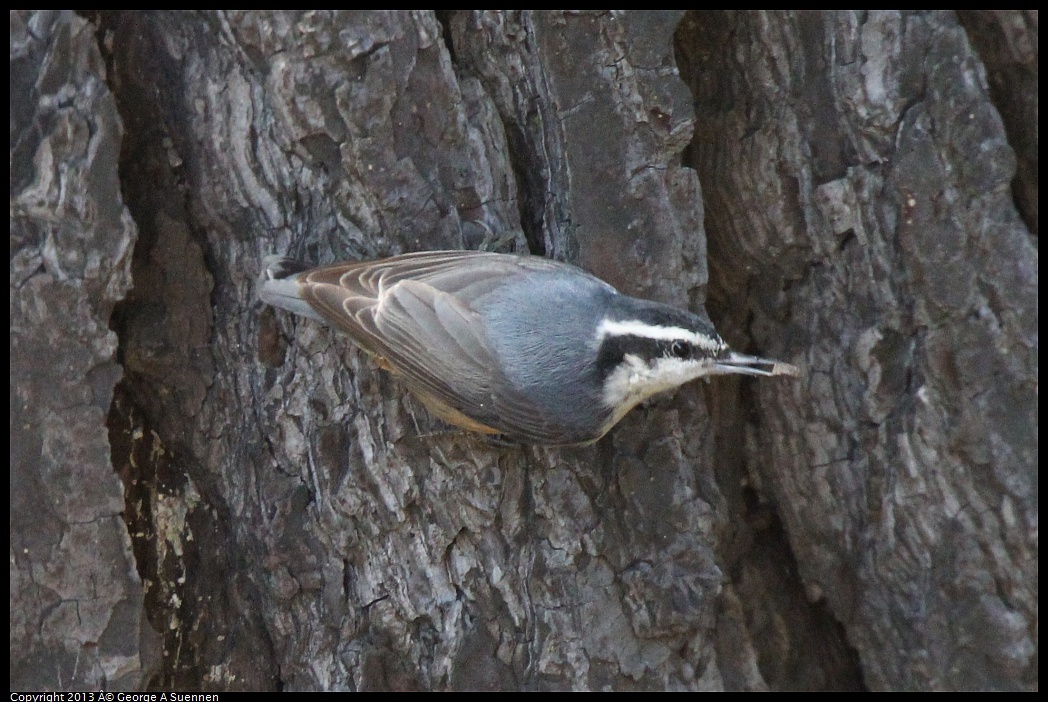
[{"x": 518, "y": 345}]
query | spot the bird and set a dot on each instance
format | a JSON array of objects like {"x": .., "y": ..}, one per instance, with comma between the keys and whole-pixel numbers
[{"x": 535, "y": 350}]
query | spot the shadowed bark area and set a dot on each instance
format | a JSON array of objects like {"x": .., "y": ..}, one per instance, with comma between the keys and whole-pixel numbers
[{"x": 297, "y": 521}]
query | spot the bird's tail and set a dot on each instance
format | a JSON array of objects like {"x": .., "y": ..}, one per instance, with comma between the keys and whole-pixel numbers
[{"x": 278, "y": 285}]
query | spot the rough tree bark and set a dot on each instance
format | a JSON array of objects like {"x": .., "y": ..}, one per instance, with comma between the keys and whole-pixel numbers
[{"x": 292, "y": 519}]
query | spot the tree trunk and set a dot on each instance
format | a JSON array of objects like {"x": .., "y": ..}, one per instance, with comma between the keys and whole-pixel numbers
[{"x": 292, "y": 519}]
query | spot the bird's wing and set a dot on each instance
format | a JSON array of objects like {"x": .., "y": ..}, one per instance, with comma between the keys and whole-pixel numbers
[
  {"x": 410, "y": 311},
  {"x": 466, "y": 274}
]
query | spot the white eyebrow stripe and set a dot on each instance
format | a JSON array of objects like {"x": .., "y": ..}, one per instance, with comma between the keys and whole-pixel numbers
[{"x": 610, "y": 327}]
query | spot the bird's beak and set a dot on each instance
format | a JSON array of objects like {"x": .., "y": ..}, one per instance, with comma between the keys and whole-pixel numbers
[{"x": 752, "y": 365}]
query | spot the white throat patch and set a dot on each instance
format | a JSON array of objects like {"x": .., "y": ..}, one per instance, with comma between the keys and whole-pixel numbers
[{"x": 635, "y": 380}]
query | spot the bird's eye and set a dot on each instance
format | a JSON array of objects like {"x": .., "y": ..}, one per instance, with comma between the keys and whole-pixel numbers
[{"x": 680, "y": 349}]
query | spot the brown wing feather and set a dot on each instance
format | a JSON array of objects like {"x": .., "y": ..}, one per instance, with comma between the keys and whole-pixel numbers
[
  {"x": 467, "y": 274},
  {"x": 409, "y": 311}
]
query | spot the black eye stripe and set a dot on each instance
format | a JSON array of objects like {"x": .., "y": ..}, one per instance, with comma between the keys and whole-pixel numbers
[{"x": 614, "y": 349}]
